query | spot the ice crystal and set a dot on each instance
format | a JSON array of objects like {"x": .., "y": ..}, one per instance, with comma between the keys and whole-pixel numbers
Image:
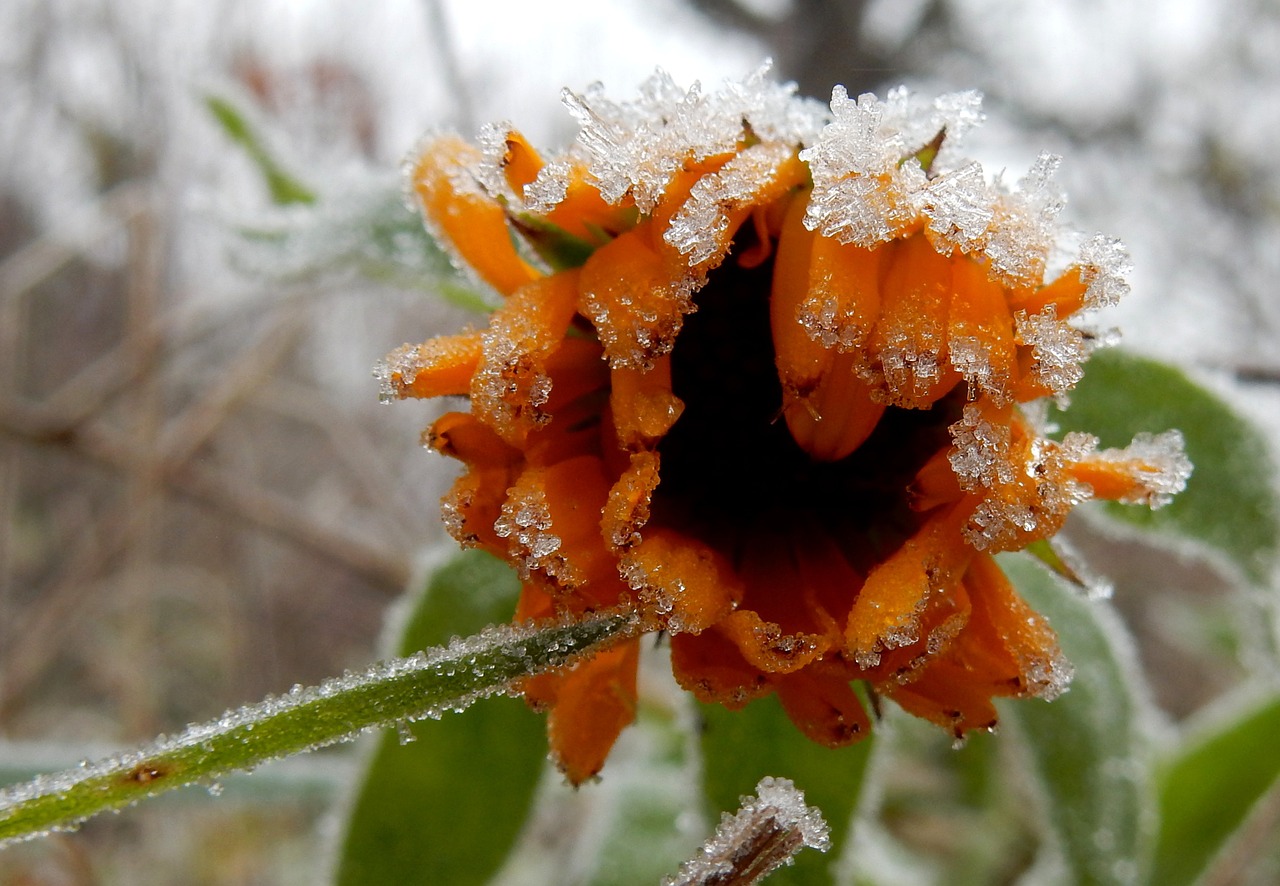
[{"x": 634, "y": 148}]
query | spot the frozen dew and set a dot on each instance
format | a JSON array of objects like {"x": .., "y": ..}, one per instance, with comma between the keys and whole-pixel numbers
[
  {"x": 404, "y": 362},
  {"x": 765, "y": 834},
  {"x": 525, "y": 521},
  {"x": 865, "y": 193}
]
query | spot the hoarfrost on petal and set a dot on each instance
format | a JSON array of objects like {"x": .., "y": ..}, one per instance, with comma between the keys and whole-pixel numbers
[
  {"x": 959, "y": 207},
  {"x": 1057, "y": 349}
]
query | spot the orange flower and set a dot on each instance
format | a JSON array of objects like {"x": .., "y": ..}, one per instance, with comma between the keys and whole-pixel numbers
[{"x": 759, "y": 375}]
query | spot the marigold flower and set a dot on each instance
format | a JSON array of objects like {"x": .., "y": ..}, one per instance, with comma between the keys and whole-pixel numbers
[{"x": 761, "y": 374}]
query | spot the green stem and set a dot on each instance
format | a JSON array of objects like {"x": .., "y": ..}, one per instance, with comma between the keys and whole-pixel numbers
[{"x": 426, "y": 685}]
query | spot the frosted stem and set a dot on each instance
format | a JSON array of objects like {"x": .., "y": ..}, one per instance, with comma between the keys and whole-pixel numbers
[
  {"x": 766, "y": 833},
  {"x": 424, "y": 685}
]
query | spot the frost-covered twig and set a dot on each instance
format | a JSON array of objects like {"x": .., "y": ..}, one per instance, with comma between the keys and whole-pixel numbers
[
  {"x": 426, "y": 685},
  {"x": 764, "y": 835}
]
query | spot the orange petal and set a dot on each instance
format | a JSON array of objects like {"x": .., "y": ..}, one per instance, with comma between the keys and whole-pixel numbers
[
  {"x": 980, "y": 335},
  {"x": 550, "y": 519},
  {"x": 766, "y": 646},
  {"x": 593, "y": 703},
  {"x": 627, "y": 510},
  {"x": 520, "y": 161},
  {"x": 685, "y": 584},
  {"x": 824, "y": 707},
  {"x": 462, "y": 436},
  {"x": 462, "y": 215},
  {"x": 945, "y": 694},
  {"x": 1006, "y": 641},
  {"x": 704, "y": 227},
  {"x": 511, "y": 385},
  {"x": 838, "y": 415},
  {"x": 633, "y": 300},
  {"x": 470, "y": 508},
  {"x": 437, "y": 368},
  {"x": 843, "y": 302},
  {"x": 644, "y": 408},
  {"x": 909, "y": 340},
  {"x": 586, "y": 214},
  {"x": 888, "y": 609},
  {"x": 802, "y": 361},
  {"x": 1065, "y": 294},
  {"x": 711, "y": 667}
]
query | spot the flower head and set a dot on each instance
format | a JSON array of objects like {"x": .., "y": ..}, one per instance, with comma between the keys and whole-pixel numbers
[{"x": 760, "y": 375}]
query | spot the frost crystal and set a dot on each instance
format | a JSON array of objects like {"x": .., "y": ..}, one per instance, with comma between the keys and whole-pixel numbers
[
  {"x": 704, "y": 217},
  {"x": 863, "y": 190},
  {"x": 1057, "y": 349},
  {"x": 636, "y": 147},
  {"x": 1104, "y": 267},
  {"x": 959, "y": 206},
  {"x": 1025, "y": 229},
  {"x": 1162, "y": 467}
]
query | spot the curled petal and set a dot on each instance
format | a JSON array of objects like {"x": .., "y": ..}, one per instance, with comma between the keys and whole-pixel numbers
[
  {"x": 823, "y": 706},
  {"x": 843, "y": 302},
  {"x": 627, "y": 510},
  {"x": 711, "y": 666},
  {"x": 461, "y": 215},
  {"x": 944, "y": 693},
  {"x": 767, "y": 647},
  {"x": 887, "y": 611},
  {"x": 910, "y": 338},
  {"x": 644, "y": 408},
  {"x": 437, "y": 368},
  {"x": 590, "y": 706},
  {"x": 510, "y": 386},
  {"x": 632, "y": 299},
  {"x": 980, "y": 337},
  {"x": 1150, "y": 470},
  {"x": 685, "y": 584}
]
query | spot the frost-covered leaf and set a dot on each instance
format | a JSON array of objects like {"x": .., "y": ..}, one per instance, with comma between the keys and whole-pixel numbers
[
  {"x": 1089, "y": 750},
  {"x": 1229, "y": 503},
  {"x": 447, "y": 806},
  {"x": 359, "y": 227},
  {"x": 741, "y": 747},
  {"x": 424, "y": 685},
  {"x": 1210, "y": 784},
  {"x": 284, "y": 188}
]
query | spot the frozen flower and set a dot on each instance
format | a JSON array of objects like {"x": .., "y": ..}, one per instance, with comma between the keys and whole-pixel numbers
[{"x": 759, "y": 375}]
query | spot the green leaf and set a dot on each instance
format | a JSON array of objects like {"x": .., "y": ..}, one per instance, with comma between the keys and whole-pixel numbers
[
  {"x": 284, "y": 188},
  {"x": 1209, "y": 786},
  {"x": 1089, "y": 749},
  {"x": 741, "y": 747},
  {"x": 1229, "y": 503},
  {"x": 421, "y": 686},
  {"x": 446, "y": 807}
]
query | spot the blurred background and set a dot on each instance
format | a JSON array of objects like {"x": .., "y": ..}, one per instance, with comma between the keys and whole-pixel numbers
[{"x": 201, "y": 499}]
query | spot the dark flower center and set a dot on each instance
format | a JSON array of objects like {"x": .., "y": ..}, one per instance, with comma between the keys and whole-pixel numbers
[{"x": 732, "y": 475}]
